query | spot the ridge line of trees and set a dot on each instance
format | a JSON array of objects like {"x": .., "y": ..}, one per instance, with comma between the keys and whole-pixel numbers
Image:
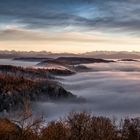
[{"x": 76, "y": 126}]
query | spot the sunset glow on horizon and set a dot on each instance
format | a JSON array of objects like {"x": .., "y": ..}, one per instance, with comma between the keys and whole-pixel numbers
[{"x": 69, "y": 26}]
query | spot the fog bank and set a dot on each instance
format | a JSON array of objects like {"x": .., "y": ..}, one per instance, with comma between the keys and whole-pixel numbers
[{"x": 112, "y": 90}]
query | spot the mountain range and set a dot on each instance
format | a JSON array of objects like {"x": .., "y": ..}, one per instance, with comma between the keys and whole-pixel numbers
[{"x": 95, "y": 54}]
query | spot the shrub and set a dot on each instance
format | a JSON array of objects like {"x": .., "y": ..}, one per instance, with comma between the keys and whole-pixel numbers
[
  {"x": 8, "y": 130},
  {"x": 131, "y": 129},
  {"x": 77, "y": 126},
  {"x": 55, "y": 131}
]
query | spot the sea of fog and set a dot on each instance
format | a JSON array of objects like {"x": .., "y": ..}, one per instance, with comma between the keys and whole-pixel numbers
[
  {"x": 17, "y": 63},
  {"x": 111, "y": 89}
]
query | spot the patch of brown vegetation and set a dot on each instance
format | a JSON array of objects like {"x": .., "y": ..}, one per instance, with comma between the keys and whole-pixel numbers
[{"x": 77, "y": 126}]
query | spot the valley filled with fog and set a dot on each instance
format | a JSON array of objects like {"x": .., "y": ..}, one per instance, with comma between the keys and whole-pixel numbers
[
  {"x": 110, "y": 89},
  {"x": 17, "y": 63}
]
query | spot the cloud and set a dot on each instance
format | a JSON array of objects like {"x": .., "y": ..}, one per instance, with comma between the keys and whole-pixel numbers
[
  {"x": 105, "y": 16},
  {"x": 19, "y": 34},
  {"x": 110, "y": 93}
]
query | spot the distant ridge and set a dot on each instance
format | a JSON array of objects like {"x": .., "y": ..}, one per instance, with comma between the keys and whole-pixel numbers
[
  {"x": 95, "y": 54},
  {"x": 113, "y": 55}
]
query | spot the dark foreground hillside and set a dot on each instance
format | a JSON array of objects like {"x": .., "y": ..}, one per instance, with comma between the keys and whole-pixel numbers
[
  {"x": 76, "y": 126},
  {"x": 13, "y": 91},
  {"x": 18, "y": 84}
]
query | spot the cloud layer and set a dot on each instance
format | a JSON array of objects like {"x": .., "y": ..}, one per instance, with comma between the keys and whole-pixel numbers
[
  {"x": 112, "y": 90},
  {"x": 21, "y": 20},
  {"x": 86, "y": 15}
]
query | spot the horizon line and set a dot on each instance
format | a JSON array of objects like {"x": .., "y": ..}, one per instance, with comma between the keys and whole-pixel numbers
[{"x": 45, "y": 51}]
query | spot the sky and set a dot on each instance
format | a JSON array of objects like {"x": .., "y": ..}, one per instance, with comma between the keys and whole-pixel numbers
[{"x": 70, "y": 25}]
